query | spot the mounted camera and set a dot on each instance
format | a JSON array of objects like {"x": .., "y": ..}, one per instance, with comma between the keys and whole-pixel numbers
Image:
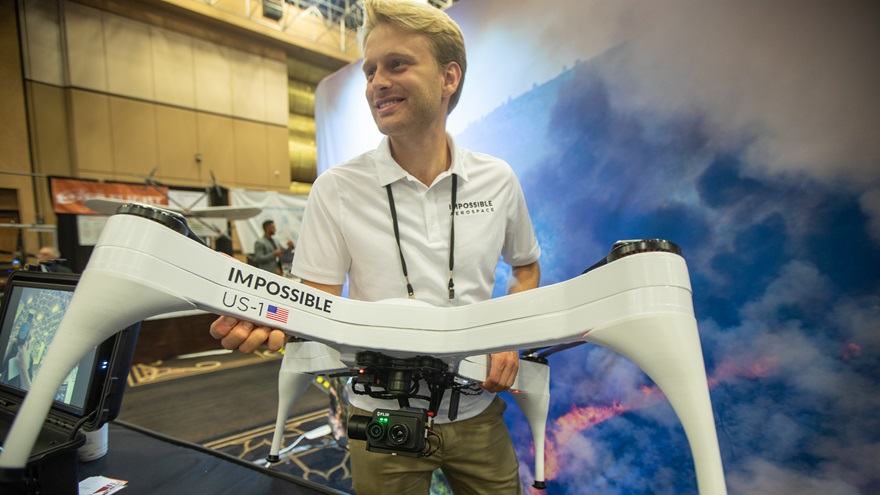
[
  {"x": 399, "y": 432},
  {"x": 403, "y": 431}
]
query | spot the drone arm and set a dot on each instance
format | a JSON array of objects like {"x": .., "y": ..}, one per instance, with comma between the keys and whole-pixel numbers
[
  {"x": 79, "y": 333},
  {"x": 301, "y": 360},
  {"x": 667, "y": 348},
  {"x": 531, "y": 390}
]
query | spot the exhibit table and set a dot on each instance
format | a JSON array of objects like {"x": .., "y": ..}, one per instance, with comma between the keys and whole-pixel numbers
[{"x": 152, "y": 463}]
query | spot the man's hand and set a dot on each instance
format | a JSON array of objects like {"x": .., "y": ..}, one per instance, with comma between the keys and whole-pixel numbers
[
  {"x": 244, "y": 335},
  {"x": 504, "y": 366},
  {"x": 502, "y": 371},
  {"x": 247, "y": 337}
]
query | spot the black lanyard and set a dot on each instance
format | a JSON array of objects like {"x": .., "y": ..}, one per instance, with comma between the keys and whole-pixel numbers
[{"x": 409, "y": 287}]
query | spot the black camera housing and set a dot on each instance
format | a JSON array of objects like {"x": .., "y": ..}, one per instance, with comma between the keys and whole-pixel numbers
[{"x": 398, "y": 432}]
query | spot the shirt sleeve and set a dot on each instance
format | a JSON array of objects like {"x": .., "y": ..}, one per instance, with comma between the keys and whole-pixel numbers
[
  {"x": 520, "y": 243},
  {"x": 321, "y": 253}
]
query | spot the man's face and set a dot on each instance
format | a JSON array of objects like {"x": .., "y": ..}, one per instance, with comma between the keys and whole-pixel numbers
[
  {"x": 270, "y": 229},
  {"x": 404, "y": 83},
  {"x": 45, "y": 254}
]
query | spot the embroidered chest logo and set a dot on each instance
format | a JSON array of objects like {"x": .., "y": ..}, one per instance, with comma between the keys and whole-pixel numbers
[{"x": 474, "y": 208}]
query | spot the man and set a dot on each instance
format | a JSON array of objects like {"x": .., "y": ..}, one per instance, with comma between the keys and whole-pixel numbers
[
  {"x": 50, "y": 258},
  {"x": 267, "y": 252},
  {"x": 417, "y": 217}
]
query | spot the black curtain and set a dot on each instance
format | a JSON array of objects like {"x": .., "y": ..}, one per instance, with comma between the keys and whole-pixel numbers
[
  {"x": 76, "y": 256},
  {"x": 219, "y": 196}
]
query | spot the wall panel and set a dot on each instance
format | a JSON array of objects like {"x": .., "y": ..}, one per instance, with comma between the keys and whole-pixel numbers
[
  {"x": 135, "y": 139},
  {"x": 275, "y": 95},
  {"x": 248, "y": 86},
  {"x": 129, "y": 58},
  {"x": 278, "y": 159},
  {"x": 216, "y": 146},
  {"x": 173, "y": 68},
  {"x": 86, "y": 58},
  {"x": 90, "y": 132},
  {"x": 178, "y": 143},
  {"x": 50, "y": 144},
  {"x": 251, "y": 156},
  {"x": 213, "y": 76},
  {"x": 42, "y": 47},
  {"x": 13, "y": 133}
]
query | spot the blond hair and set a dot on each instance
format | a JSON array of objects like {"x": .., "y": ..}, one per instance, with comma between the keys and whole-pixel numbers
[{"x": 441, "y": 32}]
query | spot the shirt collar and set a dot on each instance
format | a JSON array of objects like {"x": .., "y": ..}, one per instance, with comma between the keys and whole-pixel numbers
[{"x": 388, "y": 170}]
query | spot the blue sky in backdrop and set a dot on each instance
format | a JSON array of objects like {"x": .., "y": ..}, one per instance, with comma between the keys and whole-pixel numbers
[
  {"x": 747, "y": 133},
  {"x": 785, "y": 278}
]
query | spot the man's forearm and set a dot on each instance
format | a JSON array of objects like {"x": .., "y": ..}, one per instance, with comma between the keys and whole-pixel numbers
[
  {"x": 336, "y": 290},
  {"x": 524, "y": 278},
  {"x": 504, "y": 366}
]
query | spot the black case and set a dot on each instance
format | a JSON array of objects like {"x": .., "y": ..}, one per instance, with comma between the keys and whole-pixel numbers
[{"x": 53, "y": 465}]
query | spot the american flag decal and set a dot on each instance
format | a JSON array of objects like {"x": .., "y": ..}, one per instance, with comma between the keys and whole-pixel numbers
[{"x": 277, "y": 314}]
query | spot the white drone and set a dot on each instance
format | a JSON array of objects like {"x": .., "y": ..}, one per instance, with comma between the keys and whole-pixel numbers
[{"x": 639, "y": 306}]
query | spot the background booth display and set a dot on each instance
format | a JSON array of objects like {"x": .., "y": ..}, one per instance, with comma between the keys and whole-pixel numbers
[
  {"x": 746, "y": 134},
  {"x": 284, "y": 209}
]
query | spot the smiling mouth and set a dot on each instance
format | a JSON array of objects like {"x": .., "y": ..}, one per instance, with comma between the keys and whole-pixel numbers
[{"x": 387, "y": 103}]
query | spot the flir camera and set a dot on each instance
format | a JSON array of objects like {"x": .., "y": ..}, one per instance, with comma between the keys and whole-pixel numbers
[{"x": 398, "y": 432}]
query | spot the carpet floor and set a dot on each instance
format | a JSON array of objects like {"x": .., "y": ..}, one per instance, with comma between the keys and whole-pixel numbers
[{"x": 228, "y": 402}]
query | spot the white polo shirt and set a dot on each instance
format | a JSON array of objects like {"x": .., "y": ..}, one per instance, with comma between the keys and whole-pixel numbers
[{"x": 347, "y": 229}]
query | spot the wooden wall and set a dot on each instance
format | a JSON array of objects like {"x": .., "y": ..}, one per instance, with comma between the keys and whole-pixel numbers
[
  {"x": 114, "y": 90},
  {"x": 134, "y": 97},
  {"x": 17, "y": 188}
]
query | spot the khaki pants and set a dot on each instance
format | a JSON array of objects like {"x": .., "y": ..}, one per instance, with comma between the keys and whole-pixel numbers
[{"x": 476, "y": 456}]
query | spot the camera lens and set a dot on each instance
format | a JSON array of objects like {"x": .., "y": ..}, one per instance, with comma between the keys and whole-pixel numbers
[
  {"x": 399, "y": 382},
  {"x": 376, "y": 431},
  {"x": 398, "y": 434},
  {"x": 357, "y": 427}
]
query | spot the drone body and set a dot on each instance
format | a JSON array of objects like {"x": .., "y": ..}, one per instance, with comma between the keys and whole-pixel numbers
[{"x": 639, "y": 306}]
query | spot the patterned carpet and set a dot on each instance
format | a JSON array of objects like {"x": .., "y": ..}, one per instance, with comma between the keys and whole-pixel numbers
[
  {"x": 320, "y": 460},
  {"x": 164, "y": 396},
  {"x": 195, "y": 364}
]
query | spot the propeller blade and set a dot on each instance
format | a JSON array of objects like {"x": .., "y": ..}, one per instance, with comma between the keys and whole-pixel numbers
[
  {"x": 227, "y": 212},
  {"x": 107, "y": 206}
]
